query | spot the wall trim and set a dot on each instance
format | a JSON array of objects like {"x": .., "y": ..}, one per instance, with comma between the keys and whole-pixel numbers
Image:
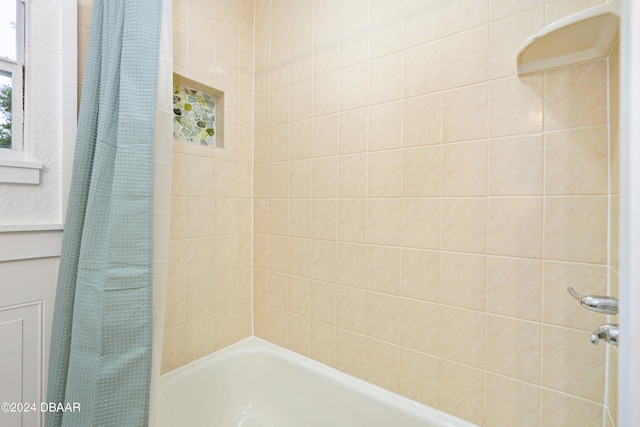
[
  {"x": 20, "y": 172},
  {"x": 20, "y": 244}
]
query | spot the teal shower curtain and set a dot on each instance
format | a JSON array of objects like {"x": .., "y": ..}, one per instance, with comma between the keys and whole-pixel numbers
[{"x": 100, "y": 354}]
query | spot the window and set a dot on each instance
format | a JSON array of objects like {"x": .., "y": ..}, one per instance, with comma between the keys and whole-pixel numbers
[{"x": 11, "y": 77}]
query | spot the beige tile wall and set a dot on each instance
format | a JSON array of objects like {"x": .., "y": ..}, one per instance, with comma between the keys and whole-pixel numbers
[
  {"x": 85, "y": 8},
  {"x": 429, "y": 256},
  {"x": 209, "y": 285},
  {"x": 419, "y": 211}
]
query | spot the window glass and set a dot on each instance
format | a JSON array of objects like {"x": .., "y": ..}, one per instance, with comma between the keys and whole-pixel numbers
[
  {"x": 10, "y": 74},
  {"x": 5, "y": 110},
  {"x": 8, "y": 29}
]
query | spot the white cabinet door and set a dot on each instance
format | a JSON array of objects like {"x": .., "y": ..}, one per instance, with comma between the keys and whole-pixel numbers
[
  {"x": 20, "y": 363},
  {"x": 27, "y": 293}
]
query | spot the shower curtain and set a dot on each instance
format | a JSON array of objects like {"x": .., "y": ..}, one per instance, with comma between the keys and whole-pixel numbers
[{"x": 101, "y": 345}]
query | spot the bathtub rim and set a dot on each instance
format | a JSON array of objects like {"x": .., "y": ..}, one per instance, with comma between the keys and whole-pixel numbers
[{"x": 255, "y": 345}]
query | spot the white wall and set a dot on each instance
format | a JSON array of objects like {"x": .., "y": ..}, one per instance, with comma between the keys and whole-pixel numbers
[
  {"x": 49, "y": 62},
  {"x": 31, "y": 216}
]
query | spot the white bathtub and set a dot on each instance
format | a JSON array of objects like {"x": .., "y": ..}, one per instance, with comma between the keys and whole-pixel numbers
[{"x": 256, "y": 384}]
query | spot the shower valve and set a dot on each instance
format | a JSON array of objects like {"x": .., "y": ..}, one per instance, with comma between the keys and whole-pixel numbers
[
  {"x": 609, "y": 333},
  {"x": 597, "y": 303}
]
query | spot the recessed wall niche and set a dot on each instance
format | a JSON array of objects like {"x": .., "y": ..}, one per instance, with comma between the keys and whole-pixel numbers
[{"x": 198, "y": 113}]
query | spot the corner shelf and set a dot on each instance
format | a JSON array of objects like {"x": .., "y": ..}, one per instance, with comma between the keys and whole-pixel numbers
[{"x": 584, "y": 36}]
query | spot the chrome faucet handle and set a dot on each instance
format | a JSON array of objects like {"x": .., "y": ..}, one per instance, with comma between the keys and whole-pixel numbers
[
  {"x": 597, "y": 303},
  {"x": 609, "y": 333}
]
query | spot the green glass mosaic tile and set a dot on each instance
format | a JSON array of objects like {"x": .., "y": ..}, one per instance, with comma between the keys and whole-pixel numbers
[{"x": 194, "y": 116}]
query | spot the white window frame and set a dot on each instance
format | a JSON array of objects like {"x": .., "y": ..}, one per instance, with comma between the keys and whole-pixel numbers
[
  {"x": 15, "y": 69},
  {"x": 15, "y": 166}
]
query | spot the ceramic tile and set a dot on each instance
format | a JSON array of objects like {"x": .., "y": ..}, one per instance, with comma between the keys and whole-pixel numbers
[
  {"x": 385, "y": 126},
  {"x": 323, "y": 261},
  {"x": 322, "y": 343},
  {"x": 416, "y": 130},
  {"x": 352, "y": 264},
  {"x": 464, "y": 169},
  {"x": 423, "y": 21},
  {"x": 463, "y": 280},
  {"x": 300, "y": 218},
  {"x": 301, "y": 140},
  {"x": 462, "y": 336},
  {"x": 418, "y": 377},
  {"x": 351, "y": 10},
  {"x": 452, "y": 378},
  {"x": 386, "y": 31},
  {"x": 350, "y": 353},
  {"x": 514, "y": 287},
  {"x": 326, "y": 15},
  {"x": 385, "y": 79},
  {"x": 516, "y": 165},
  {"x": 576, "y": 161},
  {"x": 421, "y": 223},
  {"x": 302, "y": 23},
  {"x": 354, "y": 43},
  {"x": 464, "y": 225},
  {"x": 353, "y": 128},
  {"x": 507, "y": 34},
  {"x": 325, "y": 94},
  {"x": 300, "y": 173},
  {"x": 469, "y": 106},
  {"x": 515, "y": 105},
  {"x": 381, "y": 364},
  {"x": 515, "y": 227},
  {"x": 460, "y": 15},
  {"x": 576, "y": 96},
  {"x": 352, "y": 176},
  {"x": 566, "y": 355},
  {"x": 566, "y": 410},
  {"x": 298, "y": 334},
  {"x": 466, "y": 58},
  {"x": 325, "y": 178},
  {"x": 418, "y": 326},
  {"x": 384, "y": 221},
  {"x": 299, "y": 257},
  {"x": 383, "y": 269},
  {"x": 301, "y": 105},
  {"x": 326, "y": 57},
  {"x": 323, "y": 302},
  {"x": 422, "y": 172},
  {"x": 354, "y": 89},
  {"x": 420, "y": 275},
  {"x": 385, "y": 174},
  {"x": 299, "y": 296},
  {"x": 576, "y": 229},
  {"x": 423, "y": 69},
  {"x": 559, "y": 9},
  {"x": 324, "y": 219},
  {"x": 301, "y": 62},
  {"x": 351, "y": 309},
  {"x": 352, "y": 220},
  {"x": 513, "y": 348},
  {"x": 511, "y": 403}
]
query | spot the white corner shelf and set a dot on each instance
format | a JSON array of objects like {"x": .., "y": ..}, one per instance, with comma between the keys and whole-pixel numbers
[{"x": 584, "y": 36}]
